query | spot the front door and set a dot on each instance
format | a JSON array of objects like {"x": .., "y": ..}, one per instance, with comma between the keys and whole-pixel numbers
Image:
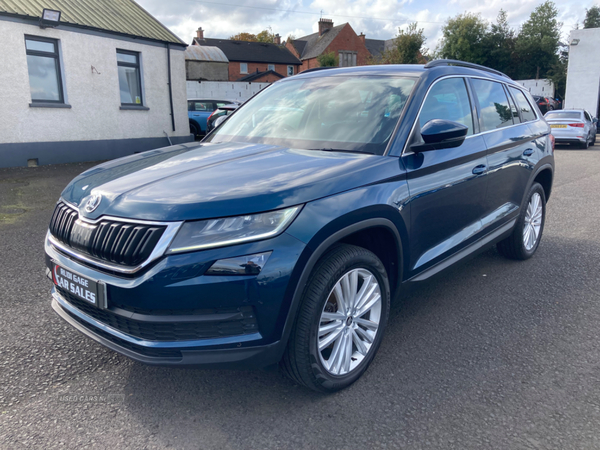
[{"x": 447, "y": 187}]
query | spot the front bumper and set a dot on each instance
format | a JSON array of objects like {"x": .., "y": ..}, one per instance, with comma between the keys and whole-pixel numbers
[{"x": 143, "y": 312}]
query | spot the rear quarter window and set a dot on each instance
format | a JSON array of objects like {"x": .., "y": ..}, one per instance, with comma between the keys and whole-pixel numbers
[{"x": 523, "y": 105}]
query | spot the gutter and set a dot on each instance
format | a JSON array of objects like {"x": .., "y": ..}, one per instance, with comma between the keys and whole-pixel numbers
[{"x": 170, "y": 87}]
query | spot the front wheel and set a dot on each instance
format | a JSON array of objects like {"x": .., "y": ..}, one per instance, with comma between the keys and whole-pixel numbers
[
  {"x": 341, "y": 321},
  {"x": 527, "y": 233}
]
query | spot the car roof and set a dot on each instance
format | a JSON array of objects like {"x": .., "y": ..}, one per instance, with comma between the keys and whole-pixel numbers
[{"x": 408, "y": 70}]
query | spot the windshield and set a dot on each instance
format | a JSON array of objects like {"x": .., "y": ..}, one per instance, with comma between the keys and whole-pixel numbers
[
  {"x": 331, "y": 113},
  {"x": 557, "y": 115}
]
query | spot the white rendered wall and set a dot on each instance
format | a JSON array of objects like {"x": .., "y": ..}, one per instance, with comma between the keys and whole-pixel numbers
[
  {"x": 583, "y": 74},
  {"x": 94, "y": 98},
  {"x": 223, "y": 90},
  {"x": 542, "y": 87}
]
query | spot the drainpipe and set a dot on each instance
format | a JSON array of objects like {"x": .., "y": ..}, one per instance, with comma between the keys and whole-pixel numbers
[{"x": 170, "y": 88}]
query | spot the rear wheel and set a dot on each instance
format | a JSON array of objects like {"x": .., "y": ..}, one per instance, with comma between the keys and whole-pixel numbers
[
  {"x": 586, "y": 144},
  {"x": 194, "y": 130},
  {"x": 527, "y": 233},
  {"x": 341, "y": 321}
]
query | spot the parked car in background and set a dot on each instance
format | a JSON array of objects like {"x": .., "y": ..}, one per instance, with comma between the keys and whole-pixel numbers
[
  {"x": 284, "y": 235},
  {"x": 546, "y": 103},
  {"x": 214, "y": 120},
  {"x": 199, "y": 110},
  {"x": 572, "y": 126}
]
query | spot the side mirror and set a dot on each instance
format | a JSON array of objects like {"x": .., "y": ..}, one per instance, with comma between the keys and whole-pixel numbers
[
  {"x": 220, "y": 120},
  {"x": 439, "y": 133}
]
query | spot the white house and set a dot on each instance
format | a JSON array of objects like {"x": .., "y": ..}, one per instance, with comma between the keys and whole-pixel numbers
[
  {"x": 542, "y": 87},
  {"x": 583, "y": 73},
  {"x": 92, "y": 80}
]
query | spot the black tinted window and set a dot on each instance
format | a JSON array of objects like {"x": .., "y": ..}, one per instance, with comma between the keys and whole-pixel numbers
[
  {"x": 526, "y": 110},
  {"x": 494, "y": 107},
  {"x": 448, "y": 99}
]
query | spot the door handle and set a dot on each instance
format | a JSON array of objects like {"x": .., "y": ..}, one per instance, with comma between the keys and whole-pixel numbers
[
  {"x": 528, "y": 152},
  {"x": 477, "y": 170}
]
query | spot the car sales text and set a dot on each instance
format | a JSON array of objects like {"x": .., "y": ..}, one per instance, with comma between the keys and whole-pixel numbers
[{"x": 73, "y": 283}]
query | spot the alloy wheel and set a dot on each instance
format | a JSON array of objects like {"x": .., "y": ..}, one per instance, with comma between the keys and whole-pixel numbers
[
  {"x": 349, "y": 321},
  {"x": 533, "y": 222}
]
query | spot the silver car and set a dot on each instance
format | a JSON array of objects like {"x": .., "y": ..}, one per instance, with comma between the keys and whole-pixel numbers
[{"x": 572, "y": 126}]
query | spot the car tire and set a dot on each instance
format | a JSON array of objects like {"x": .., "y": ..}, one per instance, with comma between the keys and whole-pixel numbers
[
  {"x": 530, "y": 225},
  {"x": 585, "y": 145},
  {"x": 194, "y": 130},
  {"x": 322, "y": 321}
]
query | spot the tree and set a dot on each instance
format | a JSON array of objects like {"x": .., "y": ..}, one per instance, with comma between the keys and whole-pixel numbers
[
  {"x": 499, "y": 45},
  {"x": 462, "y": 38},
  {"x": 263, "y": 36},
  {"x": 328, "y": 59},
  {"x": 407, "y": 47},
  {"x": 537, "y": 43},
  {"x": 592, "y": 17},
  {"x": 558, "y": 72}
]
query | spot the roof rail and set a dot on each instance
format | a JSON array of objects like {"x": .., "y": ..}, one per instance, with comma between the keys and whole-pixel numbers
[
  {"x": 456, "y": 62},
  {"x": 314, "y": 69}
]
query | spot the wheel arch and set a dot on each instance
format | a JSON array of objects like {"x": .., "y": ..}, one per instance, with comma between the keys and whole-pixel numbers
[
  {"x": 544, "y": 176},
  {"x": 381, "y": 227}
]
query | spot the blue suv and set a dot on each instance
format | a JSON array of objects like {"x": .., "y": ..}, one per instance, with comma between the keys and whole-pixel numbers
[{"x": 282, "y": 237}]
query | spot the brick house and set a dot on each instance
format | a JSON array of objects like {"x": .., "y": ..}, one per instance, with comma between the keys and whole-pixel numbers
[
  {"x": 254, "y": 61},
  {"x": 350, "y": 48}
]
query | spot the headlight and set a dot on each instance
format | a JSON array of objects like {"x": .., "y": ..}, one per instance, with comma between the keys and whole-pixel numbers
[{"x": 211, "y": 233}]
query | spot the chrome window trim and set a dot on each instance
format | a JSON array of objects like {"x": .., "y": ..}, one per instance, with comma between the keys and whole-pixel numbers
[
  {"x": 159, "y": 250},
  {"x": 406, "y": 152}
]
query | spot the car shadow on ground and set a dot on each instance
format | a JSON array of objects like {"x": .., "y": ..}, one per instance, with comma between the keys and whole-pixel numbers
[{"x": 510, "y": 322}]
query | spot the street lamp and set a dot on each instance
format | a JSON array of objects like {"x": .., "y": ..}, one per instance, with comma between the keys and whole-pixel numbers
[{"x": 50, "y": 18}]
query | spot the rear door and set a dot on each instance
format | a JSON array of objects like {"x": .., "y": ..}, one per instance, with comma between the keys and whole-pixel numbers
[
  {"x": 511, "y": 149},
  {"x": 448, "y": 186}
]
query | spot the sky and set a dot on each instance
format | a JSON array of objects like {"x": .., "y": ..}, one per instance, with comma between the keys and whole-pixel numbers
[{"x": 378, "y": 19}]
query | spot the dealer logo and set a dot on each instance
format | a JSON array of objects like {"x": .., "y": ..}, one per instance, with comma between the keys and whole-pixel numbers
[{"x": 93, "y": 203}]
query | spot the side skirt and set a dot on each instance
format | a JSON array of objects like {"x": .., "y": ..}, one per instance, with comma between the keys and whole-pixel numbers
[{"x": 474, "y": 247}]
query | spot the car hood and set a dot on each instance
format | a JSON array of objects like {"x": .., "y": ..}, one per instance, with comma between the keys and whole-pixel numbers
[{"x": 199, "y": 181}]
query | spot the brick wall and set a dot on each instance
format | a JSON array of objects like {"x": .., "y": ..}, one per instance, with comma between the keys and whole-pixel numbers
[
  {"x": 346, "y": 40},
  {"x": 235, "y": 74}
]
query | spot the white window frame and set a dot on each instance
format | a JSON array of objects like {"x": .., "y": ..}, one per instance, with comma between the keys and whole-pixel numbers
[
  {"x": 243, "y": 67},
  {"x": 271, "y": 67},
  {"x": 290, "y": 71}
]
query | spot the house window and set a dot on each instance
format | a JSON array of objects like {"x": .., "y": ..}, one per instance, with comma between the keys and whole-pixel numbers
[
  {"x": 272, "y": 67},
  {"x": 243, "y": 67},
  {"x": 130, "y": 81},
  {"x": 290, "y": 71},
  {"x": 347, "y": 59},
  {"x": 43, "y": 64}
]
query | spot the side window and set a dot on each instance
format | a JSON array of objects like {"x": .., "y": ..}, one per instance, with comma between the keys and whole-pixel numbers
[
  {"x": 43, "y": 64},
  {"x": 130, "y": 81},
  {"x": 243, "y": 67},
  {"x": 448, "y": 99},
  {"x": 587, "y": 116},
  {"x": 526, "y": 110},
  {"x": 191, "y": 106},
  {"x": 493, "y": 104}
]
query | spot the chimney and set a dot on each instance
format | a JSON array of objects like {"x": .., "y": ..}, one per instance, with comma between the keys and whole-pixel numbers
[
  {"x": 278, "y": 39},
  {"x": 200, "y": 33},
  {"x": 362, "y": 37},
  {"x": 324, "y": 25}
]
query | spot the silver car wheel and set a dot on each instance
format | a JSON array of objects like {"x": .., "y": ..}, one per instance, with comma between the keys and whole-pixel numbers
[
  {"x": 349, "y": 321},
  {"x": 533, "y": 222}
]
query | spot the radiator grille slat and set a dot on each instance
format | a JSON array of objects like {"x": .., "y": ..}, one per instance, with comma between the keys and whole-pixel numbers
[{"x": 119, "y": 243}]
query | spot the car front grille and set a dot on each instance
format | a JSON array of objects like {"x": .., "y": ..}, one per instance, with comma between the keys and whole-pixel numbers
[
  {"x": 214, "y": 323},
  {"x": 121, "y": 243}
]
